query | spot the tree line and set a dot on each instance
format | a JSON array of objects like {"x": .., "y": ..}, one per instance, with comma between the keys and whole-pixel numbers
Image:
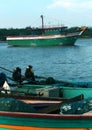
[
  {"x": 14, "y": 32},
  {"x": 27, "y": 31}
]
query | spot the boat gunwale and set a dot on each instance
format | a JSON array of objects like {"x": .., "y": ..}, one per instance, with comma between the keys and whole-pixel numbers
[
  {"x": 35, "y": 37},
  {"x": 39, "y": 115}
]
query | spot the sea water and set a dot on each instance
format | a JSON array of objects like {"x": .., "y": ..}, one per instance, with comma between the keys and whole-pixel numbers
[{"x": 68, "y": 63}]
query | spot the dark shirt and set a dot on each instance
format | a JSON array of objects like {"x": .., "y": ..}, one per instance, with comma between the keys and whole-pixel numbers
[
  {"x": 2, "y": 79},
  {"x": 29, "y": 74},
  {"x": 17, "y": 75}
]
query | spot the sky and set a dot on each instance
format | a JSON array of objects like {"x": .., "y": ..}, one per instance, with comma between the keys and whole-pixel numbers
[{"x": 25, "y": 13}]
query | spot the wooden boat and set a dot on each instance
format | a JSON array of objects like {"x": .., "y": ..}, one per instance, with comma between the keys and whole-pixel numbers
[
  {"x": 44, "y": 121},
  {"x": 46, "y": 36},
  {"x": 56, "y": 90},
  {"x": 50, "y": 90}
]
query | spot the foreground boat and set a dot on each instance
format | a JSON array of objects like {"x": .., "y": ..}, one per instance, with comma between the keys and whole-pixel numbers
[
  {"x": 43, "y": 121},
  {"x": 47, "y": 36},
  {"x": 19, "y": 120},
  {"x": 22, "y": 121}
]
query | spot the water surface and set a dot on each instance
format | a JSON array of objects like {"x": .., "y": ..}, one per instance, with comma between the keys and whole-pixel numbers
[{"x": 61, "y": 62}]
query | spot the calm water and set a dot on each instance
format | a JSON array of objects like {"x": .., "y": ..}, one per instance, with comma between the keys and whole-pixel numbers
[{"x": 64, "y": 62}]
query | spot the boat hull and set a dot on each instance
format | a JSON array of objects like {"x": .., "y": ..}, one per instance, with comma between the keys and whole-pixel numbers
[
  {"x": 71, "y": 92},
  {"x": 57, "y": 91},
  {"x": 21, "y": 121},
  {"x": 43, "y": 41}
]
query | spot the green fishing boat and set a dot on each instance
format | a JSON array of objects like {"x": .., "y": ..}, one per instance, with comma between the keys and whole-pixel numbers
[
  {"x": 58, "y": 89},
  {"x": 47, "y": 36},
  {"x": 48, "y": 90},
  {"x": 19, "y": 120}
]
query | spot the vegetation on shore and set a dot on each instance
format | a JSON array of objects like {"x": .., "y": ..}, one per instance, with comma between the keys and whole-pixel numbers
[{"x": 27, "y": 31}]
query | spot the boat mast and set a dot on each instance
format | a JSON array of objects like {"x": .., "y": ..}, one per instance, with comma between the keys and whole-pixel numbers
[{"x": 42, "y": 21}]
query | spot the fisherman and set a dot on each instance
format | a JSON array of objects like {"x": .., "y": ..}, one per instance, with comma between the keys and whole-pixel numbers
[
  {"x": 2, "y": 79},
  {"x": 17, "y": 75},
  {"x": 29, "y": 74}
]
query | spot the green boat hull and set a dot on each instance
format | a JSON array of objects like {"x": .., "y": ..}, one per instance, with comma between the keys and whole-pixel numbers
[
  {"x": 45, "y": 121},
  {"x": 43, "y": 42},
  {"x": 71, "y": 92},
  {"x": 56, "y": 91}
]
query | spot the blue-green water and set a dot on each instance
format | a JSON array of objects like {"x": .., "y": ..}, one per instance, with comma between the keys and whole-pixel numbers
[{"x": 61, "y": 62}]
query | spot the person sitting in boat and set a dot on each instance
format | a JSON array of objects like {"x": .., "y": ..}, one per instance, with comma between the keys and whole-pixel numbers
[
  {"x": 17, "y": 75},
  {"x": 29, "y": 74},
  {"x": 3, "y": 78}
]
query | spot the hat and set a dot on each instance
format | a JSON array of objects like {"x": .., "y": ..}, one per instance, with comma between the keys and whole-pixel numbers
[
  {"x": 17, "y": 68},
  {"x": 30, "y": 66}
]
